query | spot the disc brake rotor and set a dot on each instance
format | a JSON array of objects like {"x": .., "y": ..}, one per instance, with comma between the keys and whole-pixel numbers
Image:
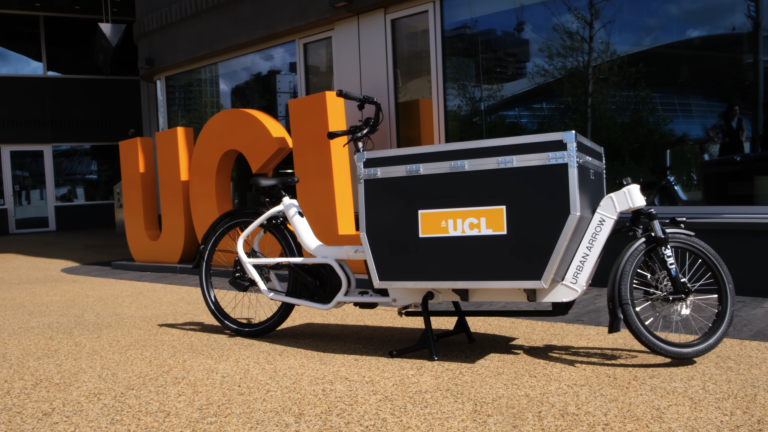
[{"x": 672, "y": 309}]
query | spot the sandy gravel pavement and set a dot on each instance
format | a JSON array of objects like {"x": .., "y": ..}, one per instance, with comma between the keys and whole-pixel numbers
[{"x": 80, "y": 353}]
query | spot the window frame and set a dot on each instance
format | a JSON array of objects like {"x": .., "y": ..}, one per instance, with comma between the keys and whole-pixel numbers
[
  {"x": 300, "y": 71},
  {"x": 47, "y": 150},
  {"x": 4, "y": 204},
  {"x": 437, "y": 124}
]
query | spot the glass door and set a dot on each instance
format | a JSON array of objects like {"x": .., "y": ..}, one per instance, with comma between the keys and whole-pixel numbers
[
  {"x": 28, "y": 185},
  {"x": 413, "y": 76}
]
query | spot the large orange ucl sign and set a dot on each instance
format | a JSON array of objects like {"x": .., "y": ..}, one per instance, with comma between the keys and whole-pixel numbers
[{"x": 195, "y": 177}]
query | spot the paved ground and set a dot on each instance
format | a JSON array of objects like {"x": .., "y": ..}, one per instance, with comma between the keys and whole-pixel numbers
[
  {"x": 750, "y": 321},
  {"x": 87, "y": 353}
]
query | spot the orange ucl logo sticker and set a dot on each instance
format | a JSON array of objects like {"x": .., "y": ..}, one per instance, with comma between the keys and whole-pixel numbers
[{"x": 474, "y": 221}]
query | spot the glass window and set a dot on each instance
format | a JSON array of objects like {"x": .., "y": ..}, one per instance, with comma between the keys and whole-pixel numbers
[
  {"x": 318, "y": 66},
  {"x": 85, "y": 173},
  {"x": 668, "y": 88},
  {"x": 73, "y": 47},
  {"x": 264, "y": 80},
  {"x": 20, "y": 46},
  {"x": 413, "y": 80}
]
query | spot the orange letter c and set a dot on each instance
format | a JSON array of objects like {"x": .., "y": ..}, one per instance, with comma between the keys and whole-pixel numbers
[{"x": 260, "y": 138}]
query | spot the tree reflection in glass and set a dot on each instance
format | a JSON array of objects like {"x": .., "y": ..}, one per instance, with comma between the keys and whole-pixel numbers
[
  {"x": 264, "y": 80},
  {"x": 645, "y": 79}
]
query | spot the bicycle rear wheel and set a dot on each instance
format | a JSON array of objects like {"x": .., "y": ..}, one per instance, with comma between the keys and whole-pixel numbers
[
  {"x": 233, "y": 298},
  {"x": 677, "y": 328}
]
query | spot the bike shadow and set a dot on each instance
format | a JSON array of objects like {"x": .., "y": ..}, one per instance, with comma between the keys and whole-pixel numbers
[{"x": 377, "y": 341}]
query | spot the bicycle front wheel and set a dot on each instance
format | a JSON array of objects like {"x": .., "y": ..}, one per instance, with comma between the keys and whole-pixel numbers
[
  {"x": 677, "y": 328},
  {"x": 233, "y": 298}
]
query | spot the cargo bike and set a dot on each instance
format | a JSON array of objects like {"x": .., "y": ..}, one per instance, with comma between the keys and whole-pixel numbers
[{"x": 521, "y": 219}]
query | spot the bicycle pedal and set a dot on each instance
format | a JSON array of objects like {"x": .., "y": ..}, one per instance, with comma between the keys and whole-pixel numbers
[{"x": 239, "y": 285}]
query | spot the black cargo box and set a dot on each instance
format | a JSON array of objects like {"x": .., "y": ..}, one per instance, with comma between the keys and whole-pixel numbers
[{"x": 501, "y": 213}]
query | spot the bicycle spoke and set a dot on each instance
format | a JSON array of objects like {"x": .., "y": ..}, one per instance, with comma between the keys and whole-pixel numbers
[
  {"x": 693, "y": 324},
  {"x": 638, "y": 308},
  {"x": 705, "y": 281},
  {"x": 679, "y": 320},
  {"x": 702, "y": 320},
  {"x": 248, "y": 306},
  {"x": 648, "y": 289},
  {"x": 704, "y": 297}
]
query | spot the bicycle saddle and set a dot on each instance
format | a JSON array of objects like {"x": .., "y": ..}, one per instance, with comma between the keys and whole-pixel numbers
[{"x": 265, "y": 182}]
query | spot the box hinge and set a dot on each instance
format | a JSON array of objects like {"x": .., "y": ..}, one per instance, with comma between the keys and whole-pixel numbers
[
  {"x": 459, "y": 166},
  {"x": 412, "y": 169},
  {"x": 506, "y": 162}
]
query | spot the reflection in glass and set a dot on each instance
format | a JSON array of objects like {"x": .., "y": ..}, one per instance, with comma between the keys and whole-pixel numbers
[
  {"x": 660, "y": 78},
  {"x": 160, "y": 106},
  {"x": 70, "y": 48},
  {"x": 318, "y": 69},
  {"x": 413, "y": 80},
  {"x": 85, "y": 173},
  {"x": 264, "y": 80},
  {"x": 20, "y": 47},
  {"x": 30, "y": 198}
]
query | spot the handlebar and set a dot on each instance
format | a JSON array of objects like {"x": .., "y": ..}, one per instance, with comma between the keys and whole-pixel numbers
[
  {"x": 354, "y": 97},
  {"x": 360, "y": 133},
  {"x": 337, "y": 134}
]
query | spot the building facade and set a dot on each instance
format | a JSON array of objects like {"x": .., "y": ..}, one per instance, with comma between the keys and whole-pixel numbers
[
  {"x": 70, "y": 90},
  {"x": 673, "y": 90}
]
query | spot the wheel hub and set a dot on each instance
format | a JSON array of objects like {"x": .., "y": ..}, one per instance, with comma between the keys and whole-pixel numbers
[{"x": 681, "y": 309}]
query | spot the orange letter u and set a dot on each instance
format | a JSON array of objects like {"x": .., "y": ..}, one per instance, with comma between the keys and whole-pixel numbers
[{"x": 177, "y": 241}]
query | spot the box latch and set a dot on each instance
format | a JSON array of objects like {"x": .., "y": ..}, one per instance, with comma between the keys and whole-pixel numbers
[
  {"x": 556, "y": 157},
  {"x": 371, "y": 173},
  {"x": 459, "y": 166},
  {"x": 412, "y": 169},
  {"x": 506, "y": 162}
]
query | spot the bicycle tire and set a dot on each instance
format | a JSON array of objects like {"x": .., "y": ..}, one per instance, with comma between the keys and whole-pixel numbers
[
  {"x": 236, "y": 302},
  {"x": 694, "y": 326}
]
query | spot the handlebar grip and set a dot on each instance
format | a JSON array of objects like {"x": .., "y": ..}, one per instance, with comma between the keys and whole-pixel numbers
[
  {"x": 337, "y": 134},
  {"x": 350, "y": 96}
]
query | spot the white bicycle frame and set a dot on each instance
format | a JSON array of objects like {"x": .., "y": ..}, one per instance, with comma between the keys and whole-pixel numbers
[{"x": 575, "y": 282}]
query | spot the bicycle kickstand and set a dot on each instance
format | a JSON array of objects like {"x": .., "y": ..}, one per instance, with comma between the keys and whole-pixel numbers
[{"x": 428, "y": 338}]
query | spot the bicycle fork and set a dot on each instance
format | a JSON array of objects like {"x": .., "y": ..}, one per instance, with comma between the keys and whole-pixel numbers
[{"x": 680, "y": 286}]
